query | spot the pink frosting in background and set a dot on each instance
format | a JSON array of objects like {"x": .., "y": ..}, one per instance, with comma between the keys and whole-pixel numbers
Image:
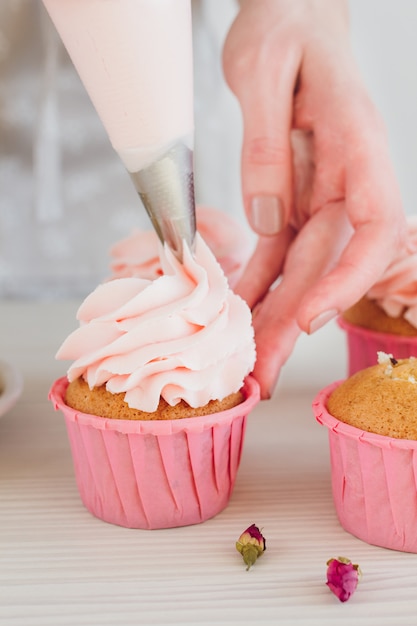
[
  {"x": 138, "y": 254},
  {"x": 396, "y": 292},
  {"x": 184, "y": 335}
]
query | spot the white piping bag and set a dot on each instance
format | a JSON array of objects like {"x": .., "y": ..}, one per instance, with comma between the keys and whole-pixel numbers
[{"x": 134, "y": 58}]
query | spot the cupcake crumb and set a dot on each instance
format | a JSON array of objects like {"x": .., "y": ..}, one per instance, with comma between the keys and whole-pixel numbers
[{"x": 380, "y": 399}]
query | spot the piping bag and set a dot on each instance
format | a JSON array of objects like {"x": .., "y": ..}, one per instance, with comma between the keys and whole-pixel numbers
[{"x": 134, "y": 58}]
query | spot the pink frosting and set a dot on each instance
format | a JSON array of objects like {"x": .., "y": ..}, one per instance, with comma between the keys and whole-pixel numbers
[
  {"x": 184, "y": 335},
  {"x": 138, "y": 254},
  {"x": 396, "y": 292}
]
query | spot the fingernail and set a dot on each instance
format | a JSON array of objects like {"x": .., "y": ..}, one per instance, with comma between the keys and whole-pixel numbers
[
  {"x": 266, "y": 215},
  {"x": 321, "y": 320}
]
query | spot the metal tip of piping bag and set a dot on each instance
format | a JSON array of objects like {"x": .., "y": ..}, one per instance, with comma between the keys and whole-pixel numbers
[{"x": 166, "y": 188}]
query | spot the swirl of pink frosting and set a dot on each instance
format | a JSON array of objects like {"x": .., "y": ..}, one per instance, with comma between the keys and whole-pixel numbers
[
  {"x": 396, "y": 292},
  {"x": 138, "y": 254},
  {"x": 184, "y": 335}
]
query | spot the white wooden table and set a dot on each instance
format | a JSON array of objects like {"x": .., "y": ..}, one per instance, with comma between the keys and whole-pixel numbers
[{"x": 61, "y": 566}]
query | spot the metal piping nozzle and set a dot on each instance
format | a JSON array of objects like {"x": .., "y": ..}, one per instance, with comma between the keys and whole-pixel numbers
[{"x": 166, "y": 188}]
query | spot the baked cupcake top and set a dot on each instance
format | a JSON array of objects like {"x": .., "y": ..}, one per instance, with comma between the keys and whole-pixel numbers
[
  {"x": 183, "y": 336},
  {"x": 138, "y": 254},
  {"x": 380, "y": 399}
]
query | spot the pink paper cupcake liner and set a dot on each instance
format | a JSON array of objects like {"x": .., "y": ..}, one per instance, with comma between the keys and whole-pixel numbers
[
  {"x": 157, "y": 473},
  {"x": 374, "y": 481},
  {"x": 363, "y": 345}
]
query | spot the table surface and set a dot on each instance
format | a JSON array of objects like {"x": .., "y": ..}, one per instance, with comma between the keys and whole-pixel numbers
[{"x": 61, "y": 566}]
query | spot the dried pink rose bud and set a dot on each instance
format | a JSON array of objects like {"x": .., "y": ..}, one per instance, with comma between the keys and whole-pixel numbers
[
  {"x": 342, "y": 577},
  {"x": 251, "y": 545}
]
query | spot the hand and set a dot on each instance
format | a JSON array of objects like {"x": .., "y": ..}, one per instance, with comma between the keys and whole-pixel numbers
[{"x": 330, "y": 218}]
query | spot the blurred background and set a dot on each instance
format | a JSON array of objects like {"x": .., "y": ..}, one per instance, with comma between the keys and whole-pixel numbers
[{"x": 65, "y": 197}]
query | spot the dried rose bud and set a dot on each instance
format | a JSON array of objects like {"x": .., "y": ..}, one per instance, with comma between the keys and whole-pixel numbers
[
  {"x": 342, "y": 577},
  {"x": 251, "y": 545}
]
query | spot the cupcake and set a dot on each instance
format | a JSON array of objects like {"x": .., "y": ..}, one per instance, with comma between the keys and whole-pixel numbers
[
  {"x": 157, "y": 394},
  {"x": 372, "y": 426},
  {"x": 138, "y": 254},
  {"x": 385, "y": 319}
]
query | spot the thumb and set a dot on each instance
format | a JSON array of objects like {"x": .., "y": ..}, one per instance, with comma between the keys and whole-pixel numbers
[{"x": 265, "y": 94}]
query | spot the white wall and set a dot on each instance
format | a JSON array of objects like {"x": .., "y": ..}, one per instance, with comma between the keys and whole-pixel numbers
[{"x": 384, "y": 39}]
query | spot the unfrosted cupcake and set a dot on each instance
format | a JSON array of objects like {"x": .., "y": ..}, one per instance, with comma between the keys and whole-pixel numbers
[
  {"x": 157, "y": 396},
  {"x": 138, "y": 254},
  {"x": 385, "y": 319},
  {"x": 372, "y": 425}
]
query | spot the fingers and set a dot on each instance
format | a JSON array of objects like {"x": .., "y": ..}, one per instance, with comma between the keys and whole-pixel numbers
[
  {"x": 263, "y": 77},
  {"x": 312, "y": 254},
  {"x": 265, "y": 168},
  {"x": 362, "y": 263},
  {"x": 264, "y": 267},
  {"x": 275, "y": 335},
  {"x": 374, "y": 207}
]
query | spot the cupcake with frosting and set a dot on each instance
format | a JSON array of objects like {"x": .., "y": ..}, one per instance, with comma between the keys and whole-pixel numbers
[
  {"x": 157, "y": 394},
  {"x": 138, "y": 254},
  {"x": 372, "y": 427},
  {"x": 385, "y": 319}
]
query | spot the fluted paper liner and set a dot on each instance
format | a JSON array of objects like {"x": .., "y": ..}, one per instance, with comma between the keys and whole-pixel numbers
[
  {"x": 363, "y": 345},
  {"x": 156, "y": 473},
  {"x": 374, "y": 481}
]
